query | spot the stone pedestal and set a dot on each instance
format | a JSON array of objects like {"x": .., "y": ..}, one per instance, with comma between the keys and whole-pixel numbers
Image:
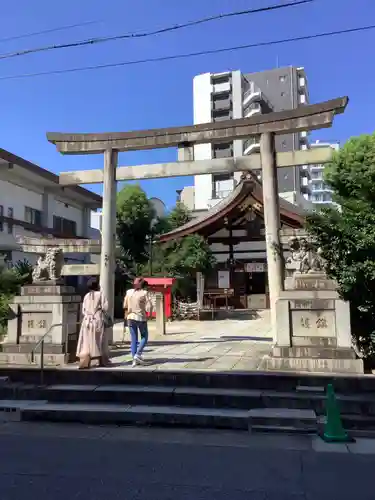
[
  {"x": 313, "y": 328},
  {"x": 41, "y": 308}
]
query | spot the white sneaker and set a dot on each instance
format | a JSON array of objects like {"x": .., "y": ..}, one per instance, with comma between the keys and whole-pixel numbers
[{"x": 138, "y": 359}]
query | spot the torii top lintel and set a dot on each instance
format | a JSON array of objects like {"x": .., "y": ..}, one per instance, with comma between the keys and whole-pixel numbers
[{"x": 309, "y": 117}]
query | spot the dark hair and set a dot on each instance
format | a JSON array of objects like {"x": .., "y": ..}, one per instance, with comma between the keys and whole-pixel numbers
[
  {"x": 93, "y": 286},
  {"x": 144, "y": 284}
]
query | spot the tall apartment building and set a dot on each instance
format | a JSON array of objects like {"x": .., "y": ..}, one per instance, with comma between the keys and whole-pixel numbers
[
  {"x": 222, "y": 96},
  {"x": 321, "y": 194}
]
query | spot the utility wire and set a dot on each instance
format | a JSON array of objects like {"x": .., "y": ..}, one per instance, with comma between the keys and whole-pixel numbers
[
  {"x": 191, "y": 54},
  {"x": 50, "y": 30},
  {"x": 94, "y": 41}
]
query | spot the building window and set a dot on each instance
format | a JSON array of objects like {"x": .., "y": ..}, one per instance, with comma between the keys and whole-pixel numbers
[
  {"x": 222, "y": 185},
  {"x": 1, "y": 218},
  {"x": 33, "y": 216},
  {"x": 215, "y": 80},
  {"x": 10, "y": 224},
  {"x": 317, "y": 174},
  {"x": 65, "y": 227},
  {"x": 282, "y": 78},
  {"x": 222, "y": 150}
]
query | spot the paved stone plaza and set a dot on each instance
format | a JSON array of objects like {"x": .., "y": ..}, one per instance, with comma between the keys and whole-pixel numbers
[{"x": 219, "y": 345}]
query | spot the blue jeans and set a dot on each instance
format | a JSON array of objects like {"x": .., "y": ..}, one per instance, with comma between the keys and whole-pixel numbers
[{"x": 134, "y": 326}]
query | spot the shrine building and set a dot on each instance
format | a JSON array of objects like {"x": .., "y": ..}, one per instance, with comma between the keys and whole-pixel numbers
[{"x": 234, "y": 229}]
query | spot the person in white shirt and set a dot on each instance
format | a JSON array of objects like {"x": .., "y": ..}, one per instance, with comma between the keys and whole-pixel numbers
[{"x": 136, "y": 302}]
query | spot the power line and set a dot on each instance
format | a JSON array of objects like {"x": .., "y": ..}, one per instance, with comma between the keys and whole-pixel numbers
[
  {"x": 191, "y": 54},
  {"x": 94, "y": 41},
  {"x": 50, "y": 30}
]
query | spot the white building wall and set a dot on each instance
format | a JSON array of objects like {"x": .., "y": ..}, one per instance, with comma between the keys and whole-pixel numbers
[
  {"x": 237, "y": 111},
  {"x": 17, "y": 197},
  {"x": 202, "y": 89}
]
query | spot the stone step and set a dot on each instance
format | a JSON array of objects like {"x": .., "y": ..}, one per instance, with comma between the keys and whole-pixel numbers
[
  {"x": 135, "y": 415},
  {"x": 252, "y": 380},
  {"x": 23, "y": 359},
  {"x": 208, "y": 397},
  {"x": 283, "y": 420}
]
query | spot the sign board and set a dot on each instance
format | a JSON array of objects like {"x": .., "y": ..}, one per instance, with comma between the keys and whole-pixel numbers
[
  {"x": 223, "y": 279},
  {"x": 255, "y": 267},
  {"x": 80, "y": 270}
]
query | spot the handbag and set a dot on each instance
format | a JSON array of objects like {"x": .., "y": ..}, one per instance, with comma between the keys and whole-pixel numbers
[{"x": 107, "y": 320}]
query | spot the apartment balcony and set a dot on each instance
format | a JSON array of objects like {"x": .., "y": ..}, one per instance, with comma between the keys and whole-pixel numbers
[
  {"x": 220, "y": 88},
  {"x": 302, "y": 82},
  {"x": 221, "y": 194},
  {"x": 305, "y": 171},
  {"x": 254, "y": 94},
  {"x": 222, "y": 104},
  {"x": 251, "y": 145},
  {"x": 222, "y": 188},
  {"x": 253, "y": 109},
  {"x": 222, "y": 150},
  {"x": 317, "y": 166},
  {"x": 304, "y": 137},
  {"x": 318, "y": 188}
]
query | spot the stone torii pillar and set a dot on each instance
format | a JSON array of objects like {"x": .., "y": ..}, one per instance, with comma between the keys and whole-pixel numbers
[
  {"x": 275, "y": 259},
  {"x": 107, "y": 256}
]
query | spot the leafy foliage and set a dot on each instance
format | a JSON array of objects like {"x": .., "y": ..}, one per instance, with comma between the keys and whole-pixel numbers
[
  {"x": 179, "y": 216},
  {"x": 134, "y": 216},
  {"x": 347, "y": 235},
  {"x": 180, "y": 258},
  {"x": 10, "y": 282}
]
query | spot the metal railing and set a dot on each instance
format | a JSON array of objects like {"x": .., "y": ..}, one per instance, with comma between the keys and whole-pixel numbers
[{"x": 41, "y": 342}]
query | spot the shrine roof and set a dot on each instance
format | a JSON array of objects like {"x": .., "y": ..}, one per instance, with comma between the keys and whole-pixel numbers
[{"x": 247, "y": 193}]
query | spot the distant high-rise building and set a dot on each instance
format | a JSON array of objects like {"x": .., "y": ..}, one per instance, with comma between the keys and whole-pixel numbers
[
  {"x": 222, "y": 96},
  {"x": 321, "y": 194}
]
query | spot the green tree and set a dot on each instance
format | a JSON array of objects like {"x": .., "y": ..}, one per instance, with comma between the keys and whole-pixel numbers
[
  {"x": 134, "y": 216},
  {"x": 10, "y": 282},
  {"x": 181, "y": 257},
  {"x": 179, "y": 216},
  {"x": 347, "y": 234}
]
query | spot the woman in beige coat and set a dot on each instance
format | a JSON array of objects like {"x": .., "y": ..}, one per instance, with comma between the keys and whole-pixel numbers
[{"x": 92, "y": 341}]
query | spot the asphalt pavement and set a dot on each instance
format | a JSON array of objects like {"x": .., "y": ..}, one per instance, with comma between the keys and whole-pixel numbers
[{"x": 62, "y": 462}]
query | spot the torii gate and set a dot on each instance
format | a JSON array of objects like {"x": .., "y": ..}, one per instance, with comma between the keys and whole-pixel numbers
[{"x": 304, "y": 118}]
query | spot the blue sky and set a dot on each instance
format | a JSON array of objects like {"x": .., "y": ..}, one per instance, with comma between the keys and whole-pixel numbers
[{"x": 160, "y": 94}]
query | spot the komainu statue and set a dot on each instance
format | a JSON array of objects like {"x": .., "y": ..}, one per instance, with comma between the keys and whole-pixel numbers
[
  {"x": 48, "y": 268},
  {"x": 306, "y": 255}
]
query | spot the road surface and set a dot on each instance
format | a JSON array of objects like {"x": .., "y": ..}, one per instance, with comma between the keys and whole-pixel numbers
[{"x": 43, "y": 461}]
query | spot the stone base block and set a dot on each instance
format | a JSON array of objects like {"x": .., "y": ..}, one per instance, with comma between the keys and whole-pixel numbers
[
  {"x": 27, "y": 348},
  {"x": 313, "y": 352},
  {"x": 314, "y": 365},
  {"x": 24, "y": 359},
  {"x": 314, "y": 341},
  {"x": 47, "y": 288}
]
